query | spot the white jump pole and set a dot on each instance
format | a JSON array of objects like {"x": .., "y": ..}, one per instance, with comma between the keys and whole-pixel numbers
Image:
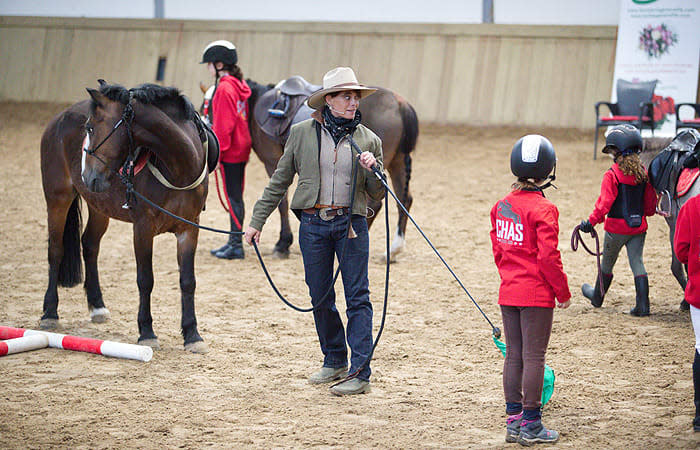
[
  {"x": 23, "y": 344},
  {"x": 81, "y": 344}
]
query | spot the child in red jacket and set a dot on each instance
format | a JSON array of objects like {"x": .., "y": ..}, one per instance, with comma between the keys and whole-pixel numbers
[
  {"x": 228, "y": 114},
  {"x": 524, "y": 237},
  {"x": 686, "y": 243},
  {"x": 626, "y": 197}
]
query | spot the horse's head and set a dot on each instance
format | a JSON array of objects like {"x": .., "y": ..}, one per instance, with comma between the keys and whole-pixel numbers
[{"x": 108, "y": 136}]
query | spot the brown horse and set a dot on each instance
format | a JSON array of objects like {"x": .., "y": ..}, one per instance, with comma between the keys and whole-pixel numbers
[
  {"x": 117, "y": 124},
  {"x": 386, "y": 113}
]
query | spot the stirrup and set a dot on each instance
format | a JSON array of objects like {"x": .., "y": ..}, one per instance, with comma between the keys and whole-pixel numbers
[
  {"x": 274, "y": 111},
  {"x": 663, "y": 195}
]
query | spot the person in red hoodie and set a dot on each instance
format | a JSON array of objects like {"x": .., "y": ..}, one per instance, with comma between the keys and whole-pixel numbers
[
  {"x": 524, "y": 237},
  {"x": 686, "y": 243},
  {"x": 228, "y": 114},
  {"x": 626, "y": 198}
]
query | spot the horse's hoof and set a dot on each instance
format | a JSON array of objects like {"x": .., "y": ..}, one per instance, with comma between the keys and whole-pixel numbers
[
  {"x": 153, "y": 343},
  {"x": 48, "y": 324},
  {"x": 99, "y": 315},
  {"x": 280, "y": 255},
  {"x": 392, "y": 259},
  {"x": 397, "y": 246},
  {"x": 197, "y": 347}
]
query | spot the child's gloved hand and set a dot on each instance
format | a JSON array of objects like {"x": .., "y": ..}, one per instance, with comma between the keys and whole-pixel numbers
[{"x": 586, "y": 226}]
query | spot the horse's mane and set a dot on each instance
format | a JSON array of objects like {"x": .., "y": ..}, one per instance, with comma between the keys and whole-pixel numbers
[{"x": 150, "y": 94}]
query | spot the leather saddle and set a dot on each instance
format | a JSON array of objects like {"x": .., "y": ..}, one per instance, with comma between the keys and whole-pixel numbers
[
  {"x": 283, "y": 106},
  {"x": 665, "y": 169}
]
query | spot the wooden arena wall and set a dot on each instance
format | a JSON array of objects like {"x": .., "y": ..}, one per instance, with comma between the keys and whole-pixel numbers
[{"x": 479, "y": 74}]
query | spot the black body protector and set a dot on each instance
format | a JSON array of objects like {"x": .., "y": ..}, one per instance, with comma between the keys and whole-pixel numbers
[{"x": 629, "y": 204}]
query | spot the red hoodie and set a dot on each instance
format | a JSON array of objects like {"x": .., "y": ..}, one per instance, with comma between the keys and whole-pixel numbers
[
  {"x": 608, "y": 194},
  {"x": 686, "y": 243},
  {"x": 230, "y": 105},
  {"x": 524, "y": 237}
]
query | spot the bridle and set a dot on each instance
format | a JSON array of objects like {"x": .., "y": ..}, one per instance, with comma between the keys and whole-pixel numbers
[
  {"x": 126, "y": 119},
  {"x": 126, "y": 172}
]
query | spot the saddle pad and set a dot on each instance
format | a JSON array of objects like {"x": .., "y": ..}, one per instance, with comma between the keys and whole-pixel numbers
[
  {"x": 686, "y": 180},
  {"x": 141, "y": 161}
]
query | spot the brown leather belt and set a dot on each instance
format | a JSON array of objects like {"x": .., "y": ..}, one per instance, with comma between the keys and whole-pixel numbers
[{"x": 327, "y": 212}]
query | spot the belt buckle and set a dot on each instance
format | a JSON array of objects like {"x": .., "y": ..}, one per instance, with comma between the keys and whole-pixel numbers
[{"x": 323, "y": 214}]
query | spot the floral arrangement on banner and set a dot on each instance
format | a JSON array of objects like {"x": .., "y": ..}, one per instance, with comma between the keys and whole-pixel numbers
[
  {"x": 655, "y": 41},
  {"x": 663, "y": 107}
]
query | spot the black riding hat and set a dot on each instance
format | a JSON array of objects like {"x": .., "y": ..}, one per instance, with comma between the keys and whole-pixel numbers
[
  {"x": 532, "y": 157},
  {"x": 624, "y": 139},
  {"x": 223, "y": 51}
]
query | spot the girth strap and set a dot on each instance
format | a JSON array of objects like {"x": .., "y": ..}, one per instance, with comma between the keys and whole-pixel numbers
[{"x": 159, "y": 176}]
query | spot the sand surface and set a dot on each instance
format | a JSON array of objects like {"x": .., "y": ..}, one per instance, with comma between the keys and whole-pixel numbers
[{"x": 621, "y": 381}]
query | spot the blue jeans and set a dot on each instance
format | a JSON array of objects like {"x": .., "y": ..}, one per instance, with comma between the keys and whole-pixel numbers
[{"x": 320, "y": 241}]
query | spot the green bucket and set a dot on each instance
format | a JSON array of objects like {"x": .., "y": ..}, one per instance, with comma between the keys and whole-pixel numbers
[{"x": 547, "y": 385}]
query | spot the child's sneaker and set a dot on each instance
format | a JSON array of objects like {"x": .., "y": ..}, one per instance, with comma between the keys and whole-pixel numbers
[
  {"x": 532, "y": 433},
  {"x": 513, "y": 427}
]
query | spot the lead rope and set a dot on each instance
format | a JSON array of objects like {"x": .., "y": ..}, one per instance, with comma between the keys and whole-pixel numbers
[{"x": 576, "y": 239}]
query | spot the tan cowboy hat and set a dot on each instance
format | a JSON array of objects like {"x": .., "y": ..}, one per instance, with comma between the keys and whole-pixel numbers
[{"x": 337, "y": 80}]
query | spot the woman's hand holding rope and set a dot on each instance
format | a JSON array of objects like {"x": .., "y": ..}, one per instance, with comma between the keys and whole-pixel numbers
[{"x": 251, "y": 234}]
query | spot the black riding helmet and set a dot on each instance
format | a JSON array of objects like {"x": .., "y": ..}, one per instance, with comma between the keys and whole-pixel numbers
[
  {"x": 533, "y": 157},
  {"x": 223, "y": 51},
  {"x": 623, "y": 139}
]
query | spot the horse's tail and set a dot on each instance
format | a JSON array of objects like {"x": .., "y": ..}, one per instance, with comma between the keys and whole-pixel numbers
[
  {"x": 70, "y": 271},
  {"x": 409, "y": 137}
]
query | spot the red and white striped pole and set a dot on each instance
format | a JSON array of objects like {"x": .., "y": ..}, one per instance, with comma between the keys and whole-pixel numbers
[
  {"x": 81, "y": 344},
  {"x": 23, "y": 344}
]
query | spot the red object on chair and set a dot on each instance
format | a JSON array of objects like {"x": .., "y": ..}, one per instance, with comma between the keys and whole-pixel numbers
[
  {"x": 691, "y": 122},
  {"x": 634, "y": 106}
]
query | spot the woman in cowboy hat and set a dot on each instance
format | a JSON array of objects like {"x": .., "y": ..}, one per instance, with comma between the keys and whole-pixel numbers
[{"x": 319, "y": 152}]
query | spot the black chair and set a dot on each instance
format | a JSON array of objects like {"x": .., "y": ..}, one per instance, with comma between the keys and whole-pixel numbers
[
  {"x": 634, "y": 106},
  {"x": 693, "y": 122}
]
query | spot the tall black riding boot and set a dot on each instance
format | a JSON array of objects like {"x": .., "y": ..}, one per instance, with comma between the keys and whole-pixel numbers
[
  {"x": 228, "y": 243},
  {"x": 234, "y": 248},
  {"x": 641, "y": 284},
  {"x": 696, "y": 384},
  {"x": 593, "y": 293}
]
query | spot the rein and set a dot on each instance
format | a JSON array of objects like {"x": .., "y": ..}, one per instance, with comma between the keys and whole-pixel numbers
[{"x": 576, "y": 239}]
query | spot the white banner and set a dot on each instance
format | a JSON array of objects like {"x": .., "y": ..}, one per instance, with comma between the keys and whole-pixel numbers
[{"x": 660, "y": 40}]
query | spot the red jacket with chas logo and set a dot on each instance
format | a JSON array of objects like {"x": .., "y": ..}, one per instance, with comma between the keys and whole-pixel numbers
[{"x": 524, "y": 236}]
